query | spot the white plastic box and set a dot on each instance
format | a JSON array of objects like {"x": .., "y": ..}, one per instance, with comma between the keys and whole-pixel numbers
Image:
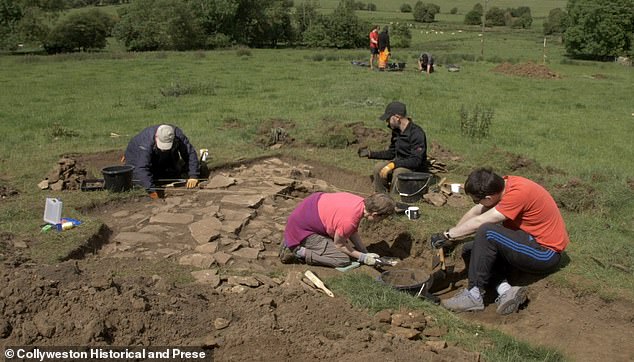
[{"x": 53, "y": 211}]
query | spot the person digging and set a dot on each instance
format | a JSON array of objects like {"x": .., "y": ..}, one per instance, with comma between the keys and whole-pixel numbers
[
  {"x": 517, "y": 224},
  {"x": 323, "y": 229},
  {"x": 162, "y": 152}
]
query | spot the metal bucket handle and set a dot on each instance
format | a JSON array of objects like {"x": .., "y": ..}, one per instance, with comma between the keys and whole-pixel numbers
[{"x": 415, "y": 193}]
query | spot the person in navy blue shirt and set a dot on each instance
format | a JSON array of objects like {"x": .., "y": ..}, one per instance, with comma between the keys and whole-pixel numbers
[{"x": 162, "y": 152}]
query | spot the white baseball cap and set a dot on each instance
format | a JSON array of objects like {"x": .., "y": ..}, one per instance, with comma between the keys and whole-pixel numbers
[{"x": 164, "y": 137}]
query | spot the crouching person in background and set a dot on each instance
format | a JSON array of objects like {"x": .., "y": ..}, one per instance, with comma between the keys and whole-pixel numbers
[{"x": 323, "y": 229}]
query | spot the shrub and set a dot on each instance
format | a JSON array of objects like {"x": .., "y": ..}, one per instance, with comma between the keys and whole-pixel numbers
[
  {"x": 599, "y": 29},
  {"x": 242, "y": 51},
  {"x": 171, "y": 25},
  {"x": 218, "y": 40},
  {"x": 473, "y": 18},
  {"x": 495, "y": 17},
  {"x": 343, "y": 28},
  {"x": 371, "y": 7},
  {"x": 523, "y": 22},
  {"x": 425, "y": 13},
  {"x": 80, "y": 31},
  {"x": 358, "y": 5},
  {"x": 406, "y": 8},
  {"x": 453, "y": 11},
  {"x": 556, "y": 22},
  {"x": 400, "y": 36},
  {"x": 477, "y": 123}
]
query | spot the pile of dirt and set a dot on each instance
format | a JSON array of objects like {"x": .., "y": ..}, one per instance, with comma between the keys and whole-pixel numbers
[
  {"x": 274, "y": 133},
  {"x": 528, "y": 70},
  {"x": 575, "y": 195},
  {"x": 67, "y": 174}
]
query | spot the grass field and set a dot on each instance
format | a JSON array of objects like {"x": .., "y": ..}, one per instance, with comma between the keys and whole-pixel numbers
[{"x": 579, "y": 125}]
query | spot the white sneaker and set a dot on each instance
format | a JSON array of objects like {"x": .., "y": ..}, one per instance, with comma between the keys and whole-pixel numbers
[{"x": 510, "y": 301}]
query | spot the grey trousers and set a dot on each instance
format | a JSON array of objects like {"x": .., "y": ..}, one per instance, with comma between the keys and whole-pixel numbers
[
  {"x": 321, "y": 250},
  {"x": 389, "y": 185}
]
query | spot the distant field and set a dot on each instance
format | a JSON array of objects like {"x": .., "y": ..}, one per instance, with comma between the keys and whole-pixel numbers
[{"x": 539, "y": 8}]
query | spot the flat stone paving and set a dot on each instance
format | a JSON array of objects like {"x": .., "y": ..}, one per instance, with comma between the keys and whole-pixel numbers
[{"x": 234, "y": 220}]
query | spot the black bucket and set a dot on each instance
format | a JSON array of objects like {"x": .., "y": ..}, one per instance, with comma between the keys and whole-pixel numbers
[
  {"x": 118, "y": 178},
  {"x": 411, "y": 186}
]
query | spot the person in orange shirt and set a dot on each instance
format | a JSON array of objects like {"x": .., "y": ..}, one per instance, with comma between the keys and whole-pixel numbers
[
  {"x": 374, "y": 46},
  {"x": 517, "y": 224}
]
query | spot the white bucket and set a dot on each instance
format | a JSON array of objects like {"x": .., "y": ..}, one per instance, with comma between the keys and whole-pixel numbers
[{"x": 53, "y": 211}]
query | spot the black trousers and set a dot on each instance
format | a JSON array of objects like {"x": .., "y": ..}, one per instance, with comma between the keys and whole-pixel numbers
[{"x": 496, "y": 249}]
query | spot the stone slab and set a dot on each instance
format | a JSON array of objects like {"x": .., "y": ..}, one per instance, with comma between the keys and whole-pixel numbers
[
  {"x": 130, "y": 237},
  {"x": 220, "y": 181},
  {"x": 247, "y": 281},
  {"x": 205, "y": 230},
  {"x": 198, "y": 260},
  {"x": 247, "y": 253},
  {"x": 154, "y": 229},
  {"x": 243, "y": 200},
  {"x": 207, "y": 276},
  {"x": 208, "y": 248},
  {"x": 221, "y": 258},
  {"x": 171, "y": 218}
]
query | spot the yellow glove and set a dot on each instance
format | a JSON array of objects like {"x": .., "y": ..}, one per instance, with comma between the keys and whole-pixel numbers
[
  {"x": 191, "y": 183},
  {"x": 386, "y": 170}
]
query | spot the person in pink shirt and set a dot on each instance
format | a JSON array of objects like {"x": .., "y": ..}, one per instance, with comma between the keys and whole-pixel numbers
[{"x": 323, "y": 228}]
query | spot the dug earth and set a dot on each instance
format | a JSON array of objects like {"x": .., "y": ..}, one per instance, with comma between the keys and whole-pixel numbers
[{"x": 200, "y": 268}]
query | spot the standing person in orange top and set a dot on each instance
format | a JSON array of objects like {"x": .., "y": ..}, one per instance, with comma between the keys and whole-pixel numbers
[
  {"x": 384, "y": 48},
  {"x": 517, "y": 224},
  {"x": 374, "y": 46}
]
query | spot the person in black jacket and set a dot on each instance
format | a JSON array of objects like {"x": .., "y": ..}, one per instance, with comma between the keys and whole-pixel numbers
[
  {"x": 162, "y": 152},
  {"x": 407, "y": 151}
]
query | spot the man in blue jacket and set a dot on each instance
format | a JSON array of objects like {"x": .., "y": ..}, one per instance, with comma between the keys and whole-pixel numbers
[
  {"x": 407, "y": 151},
  {"x": 162, "y": 152}
]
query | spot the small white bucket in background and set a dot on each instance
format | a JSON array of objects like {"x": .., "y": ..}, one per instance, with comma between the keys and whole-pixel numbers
[{"x": 53, "y": 211}]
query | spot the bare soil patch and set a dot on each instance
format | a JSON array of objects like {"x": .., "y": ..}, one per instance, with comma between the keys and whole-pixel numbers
[
  {"x": 528, "y": 70},
  {"x": 137, "y": 291},
  {"x": 7, "y": 191}
]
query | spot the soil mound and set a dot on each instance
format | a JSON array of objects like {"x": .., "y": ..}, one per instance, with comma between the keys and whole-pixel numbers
[{"x": 528, "y": 70}]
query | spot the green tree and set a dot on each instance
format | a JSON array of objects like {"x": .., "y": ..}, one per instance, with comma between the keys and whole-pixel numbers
[
  {"x": 556, "y": 22},
  {"x": 305, "y": 14},
  {"x": 425, "y": 13},
  {"x": 80, "y": 31},
  {"x": 406, "y": 8},
  {"x": 26, "y": 20},
  {"x": 262, "y": 22},
  {"x": 474, "y": 17},
  {"x": 170, "y": 25},
  {"x": 599, "y": 29},
  {"x": 400, "y": 36},
  {"x": 216, "y": 17},
  {"x": 495, "y": 17},
  {"x": 346, "y": 29}
]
